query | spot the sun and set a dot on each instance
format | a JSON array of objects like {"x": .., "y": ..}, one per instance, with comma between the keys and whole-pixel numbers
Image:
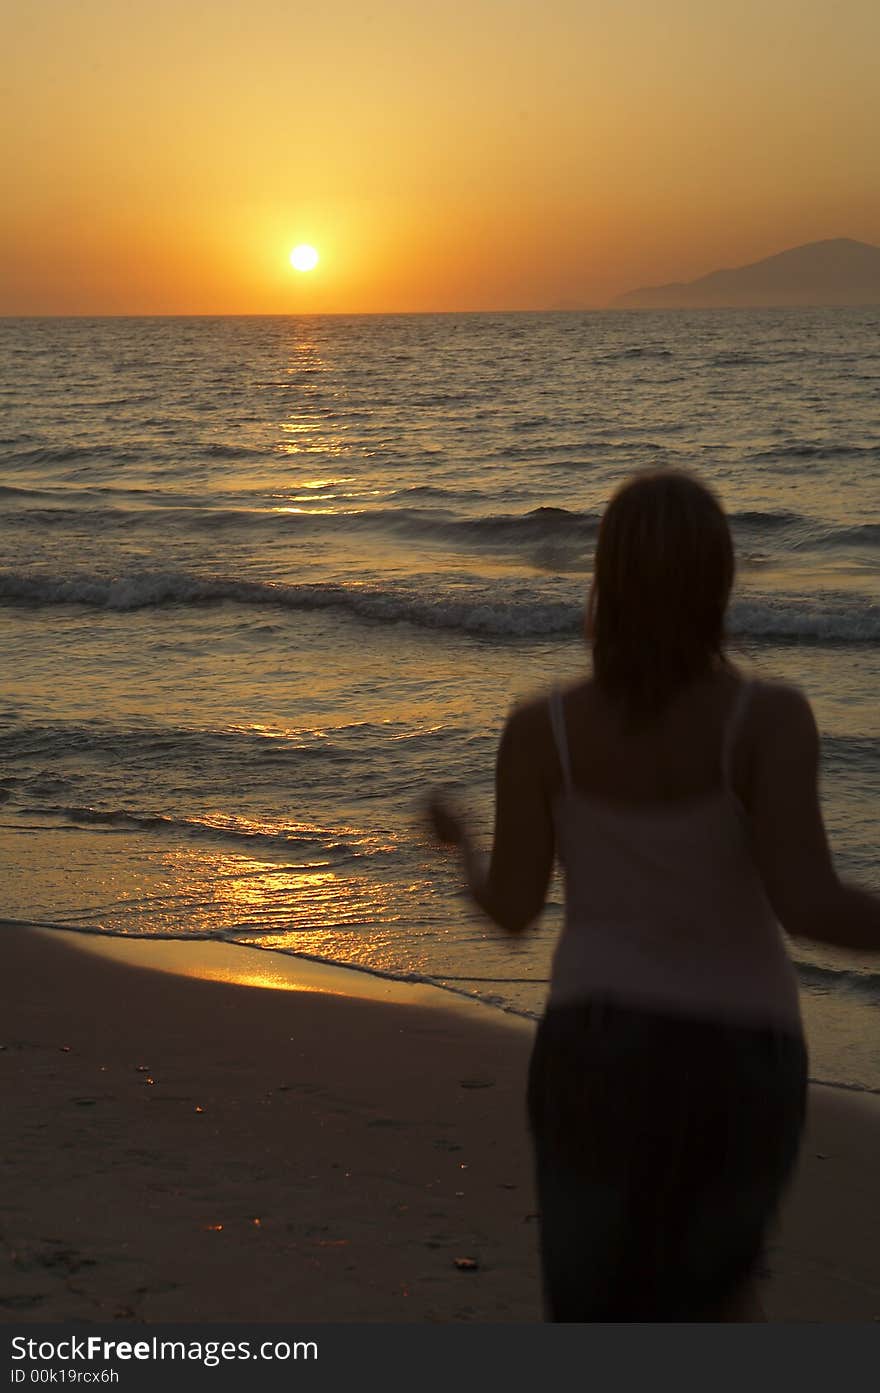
[{"x": 304, "y": 258}]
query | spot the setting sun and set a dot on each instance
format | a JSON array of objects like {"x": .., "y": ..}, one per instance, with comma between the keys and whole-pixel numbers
[{"x": 304, "y": 258}]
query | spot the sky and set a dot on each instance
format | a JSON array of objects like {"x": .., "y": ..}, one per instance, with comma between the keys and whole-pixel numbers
[{"x": 440, "y": 155}]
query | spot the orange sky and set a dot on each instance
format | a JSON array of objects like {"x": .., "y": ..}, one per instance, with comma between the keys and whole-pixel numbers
[{"x": 164, "y": 157}]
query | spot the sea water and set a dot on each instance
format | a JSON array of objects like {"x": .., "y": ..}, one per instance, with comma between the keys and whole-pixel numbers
[{"x": 266, "y": 581}]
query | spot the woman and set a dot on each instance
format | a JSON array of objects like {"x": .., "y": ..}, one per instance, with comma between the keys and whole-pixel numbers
[{"x": 667, "y": 1085}]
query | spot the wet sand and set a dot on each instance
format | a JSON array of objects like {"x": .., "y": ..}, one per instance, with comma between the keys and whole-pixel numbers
[{"x": 189, "y": 1149}]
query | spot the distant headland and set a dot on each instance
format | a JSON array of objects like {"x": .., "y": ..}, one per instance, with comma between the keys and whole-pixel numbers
[{"x": 838, "y": 271}]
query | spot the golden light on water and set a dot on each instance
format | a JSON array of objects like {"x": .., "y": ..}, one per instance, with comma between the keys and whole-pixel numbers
[{"x": 304, "y": 258}]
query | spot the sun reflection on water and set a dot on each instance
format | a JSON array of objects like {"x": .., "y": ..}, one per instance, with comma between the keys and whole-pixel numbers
[
  {"x": 308, "y": 512},
  {"x": 314, "y": 908}
]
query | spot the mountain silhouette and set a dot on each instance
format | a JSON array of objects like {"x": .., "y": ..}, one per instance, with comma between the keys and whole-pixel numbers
[{"x": 838, "y": 271}]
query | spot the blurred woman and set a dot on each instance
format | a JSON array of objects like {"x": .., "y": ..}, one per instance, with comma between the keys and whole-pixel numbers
[{"x": 667, "y": 1085}]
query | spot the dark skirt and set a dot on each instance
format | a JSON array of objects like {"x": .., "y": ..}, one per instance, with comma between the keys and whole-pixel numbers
[{"x": 662, "y": 1147}]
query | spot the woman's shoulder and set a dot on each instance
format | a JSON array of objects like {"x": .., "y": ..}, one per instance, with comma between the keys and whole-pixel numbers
[
  {"x": 773, "y": 696},
  {"x": 530, "y": 719},
  {"x": 536, "y": 705},
  {"x": 770, "y": 700},
  {"x": 780, "y": 711}
]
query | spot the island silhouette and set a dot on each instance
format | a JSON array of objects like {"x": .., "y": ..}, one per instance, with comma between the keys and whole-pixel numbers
[{"x": 837, "y": 271}]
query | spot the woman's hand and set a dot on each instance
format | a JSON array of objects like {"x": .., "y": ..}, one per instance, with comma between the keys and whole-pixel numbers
[
  {"x": 446, "y": 824},
  {"x": 510, "y": 886}
]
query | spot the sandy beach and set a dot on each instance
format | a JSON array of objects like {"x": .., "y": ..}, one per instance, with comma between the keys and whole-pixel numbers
[{"x": 188, "y": 1149}]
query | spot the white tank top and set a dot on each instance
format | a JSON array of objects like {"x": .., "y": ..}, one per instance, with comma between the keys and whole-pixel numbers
[{"x": 664, "y": 905}]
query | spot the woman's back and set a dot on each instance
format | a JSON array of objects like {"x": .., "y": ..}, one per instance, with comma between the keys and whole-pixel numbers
[
  {"x": 664, "y": 902},
  {"x": 675, "y": 756}
]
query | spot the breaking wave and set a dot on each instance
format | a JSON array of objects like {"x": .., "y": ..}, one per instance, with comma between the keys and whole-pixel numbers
[{"x": 519, "y": 612}]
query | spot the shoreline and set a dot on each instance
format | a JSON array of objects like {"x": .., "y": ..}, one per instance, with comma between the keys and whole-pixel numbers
[
  {"x": 242, "y": 964},
  {"x": 189, "y": 1147},
  {"x": 245, "y": 964}
]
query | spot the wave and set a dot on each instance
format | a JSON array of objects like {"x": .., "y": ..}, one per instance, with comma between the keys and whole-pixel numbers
[
  {"x": 757, "y": 520},
  {"x": 68, "y": 454},
  {"x": 541, "y": 524},
  {"x": 538, "y": 525},
  {"x": 439, "y": 523},
  {"x": 845, "y": 1087},
  {"x": 638, "y": 351},
  {"x": 806, "y": 532},
  {"x": 383, "y": 604},
  {"x": 158, "y": 745},
  {"x": 151, "y": 746},
  {"x": 431, "y": 491},
  {"x": 219, "y": 450},
  {"x": 431, "y": 511},
  {"x": 736, "y": 359},
  {"x": 7, "y": 491},
  {"x": 849, "y": 980},
  {"x": 807, "y": 449},
  {"x": 832, "y": 619},
  {"x": 590, "y": 448},
  {"x": 865, "y": 534},
  {"x": 323, "y": 840}
]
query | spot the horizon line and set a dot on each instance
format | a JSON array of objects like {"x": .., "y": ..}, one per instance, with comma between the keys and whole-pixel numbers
[
  {"x": 415, "y": 314},
  {"x": 298, "y": 314}
]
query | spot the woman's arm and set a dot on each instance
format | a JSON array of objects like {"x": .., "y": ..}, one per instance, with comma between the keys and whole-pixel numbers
[
  {"x": 513, "y": 889},
  {"x": 790, "y": 842}
]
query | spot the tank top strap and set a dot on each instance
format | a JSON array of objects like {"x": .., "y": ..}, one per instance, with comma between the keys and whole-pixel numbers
[
  {"x": 733, "y": 726},
  {"x": 557, "y": 723}
]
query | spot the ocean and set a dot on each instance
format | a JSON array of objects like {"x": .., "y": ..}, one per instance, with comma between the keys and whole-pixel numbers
[{"x": 266, "y": 581}]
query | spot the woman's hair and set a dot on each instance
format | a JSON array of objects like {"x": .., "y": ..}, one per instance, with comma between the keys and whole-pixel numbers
[{"x": 662, "y": 577}]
